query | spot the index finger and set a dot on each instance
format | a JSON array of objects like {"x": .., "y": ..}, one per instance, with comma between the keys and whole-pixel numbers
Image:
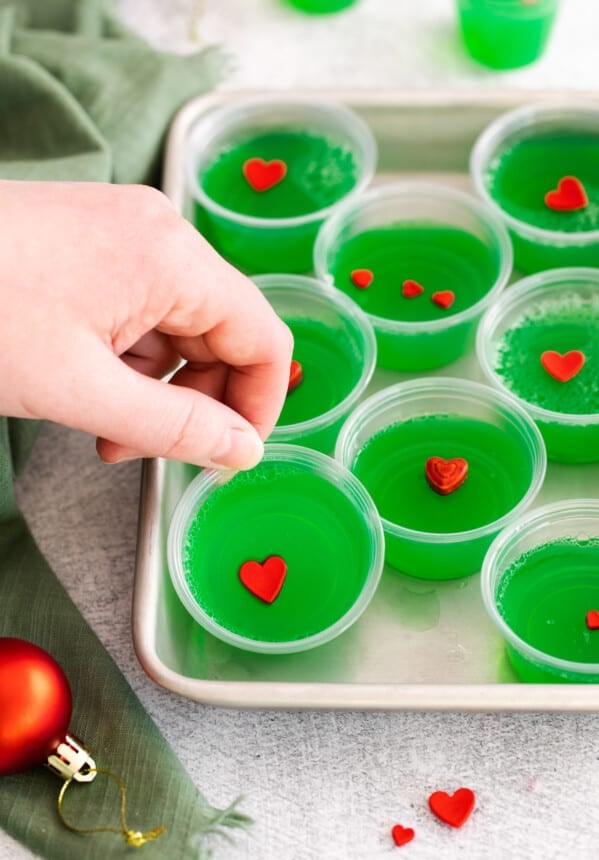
[{"x": 227, "y": 319}]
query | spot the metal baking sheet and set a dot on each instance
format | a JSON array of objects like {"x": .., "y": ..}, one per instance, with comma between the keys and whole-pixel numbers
[{"x": 419, "y": 645}]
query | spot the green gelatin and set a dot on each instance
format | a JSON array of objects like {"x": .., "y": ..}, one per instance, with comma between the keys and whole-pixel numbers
[
  {"x": 391, "y": 467},
  {"x": 544, "y": 597},
  {"x": 563, "y": 324},
  {"x": 319, "y": 7},
  {"x": 506, "y": 34},
  {"x": 439, "y": 258},
  {"x": 521, "y": 175},
  {"x": 278, "y": 509},
  {"x": 331, "y": 370},
  {"x": 320, "y": 172}
]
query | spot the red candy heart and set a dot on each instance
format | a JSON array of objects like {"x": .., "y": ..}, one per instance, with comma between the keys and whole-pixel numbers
[
  {"x": 296, "y": 375},
  {"x": 563, "y": 367},
  {"x": 454, "y": 809},
  {"x": 264, "y": 580},
  {"x": 445, "y": 476},
  {"x": 593, "y": 619},
  {"x": 444, "y": 298},
  {"x": 569, "y": 196},
  {"x": 263, "y": 175},
  {"x": 411, "y": 289},
  {"x": 362, "y": 278},
  {"x": 402, "y": 835}
]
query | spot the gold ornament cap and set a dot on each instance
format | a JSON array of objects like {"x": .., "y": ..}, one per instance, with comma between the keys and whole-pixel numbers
[{"x": 71, "y": 760}]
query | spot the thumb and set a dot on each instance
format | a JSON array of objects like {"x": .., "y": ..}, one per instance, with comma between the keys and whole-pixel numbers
[{"x": 150, "y": 418}]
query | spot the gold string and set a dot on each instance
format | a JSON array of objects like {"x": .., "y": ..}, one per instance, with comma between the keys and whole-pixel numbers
[{"x": 131, "y": 837}]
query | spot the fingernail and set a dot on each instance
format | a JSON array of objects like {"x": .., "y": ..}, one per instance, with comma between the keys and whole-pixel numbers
[{"x": 239, "y": 449}]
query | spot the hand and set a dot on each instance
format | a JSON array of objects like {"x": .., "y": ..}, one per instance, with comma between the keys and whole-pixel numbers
[{"x": 103, "y": 290}]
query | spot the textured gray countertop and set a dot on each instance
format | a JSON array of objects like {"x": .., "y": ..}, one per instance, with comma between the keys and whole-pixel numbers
[{"x": 329, "y": 786}]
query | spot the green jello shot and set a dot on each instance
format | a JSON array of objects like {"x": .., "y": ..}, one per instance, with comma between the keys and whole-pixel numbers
[
  {"x": 321, "y": 7},
  {"x": 557, "y": 311},
  {"x": 336, "y": 348},
  {"x": 440, "y": 239},
  {"x": 518, "y": 166},
  {"x": 506, "y": 34},
  {"x": 265, "y": 173},
  {"x": 387, "y": 443},
  {"x": 299, "y": 506},
  {"x": 540, "y": 579}
]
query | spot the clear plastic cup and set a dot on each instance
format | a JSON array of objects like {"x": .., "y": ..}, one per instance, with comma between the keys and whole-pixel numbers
[
  {"x": 443, "y": 555},
  {"x": 350, "y": 340},
  {"x": 418, "y": 345},
  {"x": 569, "y": 437},
  {"x": 308, "y": 518},
  {"x": 256, "y": 244},
  {"x": 506, "y": 34},
  {"x": 536, "y": 248},
  {"x": 575, "y": 519}
]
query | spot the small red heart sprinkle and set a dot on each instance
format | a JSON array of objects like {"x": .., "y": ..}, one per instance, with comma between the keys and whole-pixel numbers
[
  {"x": 593, "y": 619},
  {"x": 454, "y": 809},
  {"x": 362, "y": 278},
  {"x": 444, "y": 298},
  {"x": 264, "y": 580},
  {"x": 296, "y": 375},
  {"x": 569, "y": 196},
  {"x": 563, "y": 367},
  {"x": 263, "y": 175},
  {"x": 402, "y": 835},
  {"x": 411, "y": 289},
  {"x": 445, "y": 476}
]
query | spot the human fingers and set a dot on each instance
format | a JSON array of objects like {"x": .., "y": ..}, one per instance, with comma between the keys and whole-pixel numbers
[{"x": 155, "y": 418}]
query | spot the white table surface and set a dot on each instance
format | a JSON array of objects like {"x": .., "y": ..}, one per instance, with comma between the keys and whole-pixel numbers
[{"x": 329, "y": 786}]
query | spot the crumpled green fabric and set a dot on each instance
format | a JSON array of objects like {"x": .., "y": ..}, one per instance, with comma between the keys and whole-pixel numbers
[{"x": 82, "y": 99}]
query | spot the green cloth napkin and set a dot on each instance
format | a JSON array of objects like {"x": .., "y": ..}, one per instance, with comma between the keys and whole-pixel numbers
[{"x": 81, "y": 99}]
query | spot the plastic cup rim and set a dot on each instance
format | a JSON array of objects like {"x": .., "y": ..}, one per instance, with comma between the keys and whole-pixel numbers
[
  {"x": 562, "y": 510},
  {"x": 349, "y": 208},
  {"x": 442, "y": 385},
  {"x": 209, "y": 480},
  {"x": 350, "y": 311},
  {"x": 488, "y": 143},
  {"x": 365, "y": 143},
  {"x": 486, "y": 330}
]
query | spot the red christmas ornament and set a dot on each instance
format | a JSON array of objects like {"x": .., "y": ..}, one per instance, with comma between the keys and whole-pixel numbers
[
  {"x": 35, "y": 711},
  {"x": 35, "y": 705}
]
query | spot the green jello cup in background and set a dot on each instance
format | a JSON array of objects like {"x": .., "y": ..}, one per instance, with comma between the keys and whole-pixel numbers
[
  {"x": 554, "y": 311},
  {"x": 539, "y": 580},
  {"x": 506, "y": 34},
  {"x": 329, "y": 153},
  {"x": 336, "y": 347},
  {"x": 440, "y": 238},
  {"x": 296, "y": 504},
  {"x": 320, "y": 7},
  {"x": 520, "y": 158},
  {"x": 389, "y": 438}
]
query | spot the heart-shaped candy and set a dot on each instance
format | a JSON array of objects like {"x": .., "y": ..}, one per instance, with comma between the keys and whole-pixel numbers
[
  {"x": 402, "y": 835},
  {"x": 454, "y": 809},
  {"x": 445, "y": 476},
  {"x": 569, "y": 196},
  {"x": 264, "y": 580},
  {"x": 296, "y": 375},
  {"x": 563, "y": 367},
  {"x": 411, "y": 289},
  {"x": 263, "y": 175},
  {"x": 444, "y": 298},
  {"x": 362, "y": 278},
  {"x": 593, "y": 619}
]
